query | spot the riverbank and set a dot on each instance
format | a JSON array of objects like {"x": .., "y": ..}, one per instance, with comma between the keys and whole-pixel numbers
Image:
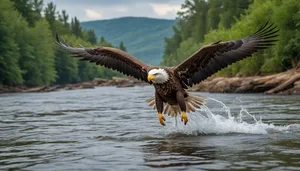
[
  {"x": 115, "y": 81},
  {"x": 282, "y": 83}
]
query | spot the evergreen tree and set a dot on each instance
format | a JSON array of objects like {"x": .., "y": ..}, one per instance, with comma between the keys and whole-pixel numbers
[
  {"x": 38, "y": 7},
  {"x": 122, "y": 47},
  {"x": 102, "y": 40},
  {"x": 231, "y": 10},
  {"x": 43, "y": 53},
  {"x": 50, "y": 16},
  {"x": 27, "y": 52},
  {"x": 30, "y": 9},
  {"x": 171, "y": 46},
  {"x": 10, "y": 72},
  {"x": 104, "y": 43},
  {"x": 76, "y": 28},
  {"x": 66, "y": 66},
  {"x": 200, "y": 20},
  {"x": 228, "y": 12},
  {"x": 63, "y": 18},
  {"x": 91, "y": 37},
  {"x": 213, "y": 14}
]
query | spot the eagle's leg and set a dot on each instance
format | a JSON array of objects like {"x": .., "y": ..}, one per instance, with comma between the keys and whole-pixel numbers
[
  {"x": 160, "y": 107},
  {"x": 181, "y": 103}
]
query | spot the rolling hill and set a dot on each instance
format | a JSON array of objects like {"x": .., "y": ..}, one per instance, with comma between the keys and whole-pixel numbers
[{"x": 143, "y": 37}]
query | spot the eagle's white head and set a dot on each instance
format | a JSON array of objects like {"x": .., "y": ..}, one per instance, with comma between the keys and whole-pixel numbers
[{"x": 158, "y": 76}]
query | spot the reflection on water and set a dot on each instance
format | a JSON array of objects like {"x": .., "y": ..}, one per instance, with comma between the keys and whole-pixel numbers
[
  {"x": 229, "y": 152},
  {"x": 113, "y": 129},
  {"x": 177, "y": 152}
]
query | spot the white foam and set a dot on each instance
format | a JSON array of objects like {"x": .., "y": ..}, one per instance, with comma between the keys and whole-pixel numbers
[{"x": 204, "y": 121}]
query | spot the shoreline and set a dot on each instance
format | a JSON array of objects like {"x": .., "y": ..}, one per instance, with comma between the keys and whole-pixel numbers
[{"x": 285, "y": 83}]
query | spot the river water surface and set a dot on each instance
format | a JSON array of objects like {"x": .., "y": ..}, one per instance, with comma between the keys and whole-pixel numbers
[{"x": 109, "y": 128}]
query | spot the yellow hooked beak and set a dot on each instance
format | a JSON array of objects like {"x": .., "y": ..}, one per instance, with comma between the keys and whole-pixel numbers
[{"x": 151, "y": 77}]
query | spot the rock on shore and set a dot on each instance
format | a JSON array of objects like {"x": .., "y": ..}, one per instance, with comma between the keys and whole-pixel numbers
[
  {"x": 282, "y": 83},
  {"x": 115, "y": 81}
]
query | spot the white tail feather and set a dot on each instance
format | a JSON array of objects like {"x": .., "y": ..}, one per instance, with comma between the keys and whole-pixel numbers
[{"x": 192, "y": 103}]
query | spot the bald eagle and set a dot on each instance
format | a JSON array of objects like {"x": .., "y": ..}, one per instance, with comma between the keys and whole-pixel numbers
[{"x": 171, "y": 96}]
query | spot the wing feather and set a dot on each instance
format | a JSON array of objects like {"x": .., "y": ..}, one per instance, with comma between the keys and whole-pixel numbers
[
  {"x": 110, "y": 58},
  {"x": 212, "y": 58}
]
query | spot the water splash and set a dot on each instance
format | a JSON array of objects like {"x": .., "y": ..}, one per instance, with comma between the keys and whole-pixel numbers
[{"x": 204, "y": 121}]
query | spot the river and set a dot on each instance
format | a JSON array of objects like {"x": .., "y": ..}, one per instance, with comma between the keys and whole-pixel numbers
[{"x": 109, "y": 128}]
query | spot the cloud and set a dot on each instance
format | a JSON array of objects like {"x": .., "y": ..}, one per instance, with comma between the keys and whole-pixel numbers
[
  {"x": 93, "y": 14},
  {"x": 164, "y": 9},
  {"x": 121, "y": 9},
  {"x": 107, "y": 9},
  {"x": 113, "y": 2}
]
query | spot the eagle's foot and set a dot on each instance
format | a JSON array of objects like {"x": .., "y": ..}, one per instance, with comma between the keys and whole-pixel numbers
[
  {"x": 161, "y": 119},
  {"x": 184, "y": 117}
]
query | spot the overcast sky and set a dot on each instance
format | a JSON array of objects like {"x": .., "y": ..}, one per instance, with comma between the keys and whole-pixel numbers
[{"x": 86, "y": 10}]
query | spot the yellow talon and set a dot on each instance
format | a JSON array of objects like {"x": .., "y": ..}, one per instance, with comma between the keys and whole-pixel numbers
[
  {"x": 161, "y": 119},
  {"x": 184, "y": 117}
]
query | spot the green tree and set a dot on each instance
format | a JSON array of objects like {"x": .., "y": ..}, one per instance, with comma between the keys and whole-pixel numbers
[
  {"x": 91, "y": 37},
  {"x": 37, "y": 58},
  {"x": 239, "y": 18},
  {"x": 200, "y": 21},
  {"x": 104, "y": 42},
  {"x": 63, "y": 18},
  {"x": 66, "y": 66},
  {"x": 213, "y": 14},
  {"x": 30, "y": 9},
  {"x": 231, "y": 10},
  {"x": 76, "y": 28},
  {"x": 10, "y": 72},
  {"x": 27, "y": 52},
  {"x": 122, "y": 46},
  {"x": 50, "y": 16},
  {"x": 228, "y": 13},
  {"x": 43, "y": 52}
]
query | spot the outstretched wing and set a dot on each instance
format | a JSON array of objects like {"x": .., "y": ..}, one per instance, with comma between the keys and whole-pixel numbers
[
  {"x": 111, "y": 58},
  {"x": 212, "y": 58}
]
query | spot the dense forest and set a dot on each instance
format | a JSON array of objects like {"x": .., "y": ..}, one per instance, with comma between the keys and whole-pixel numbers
[
  {"x": 28, "y": 54},
  {"x": 203, "y": 22}
]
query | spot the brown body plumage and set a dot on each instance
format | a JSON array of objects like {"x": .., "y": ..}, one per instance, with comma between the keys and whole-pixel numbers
[
  {"x": 171, "y": 83},
  {"x": 168, "y": 90}
]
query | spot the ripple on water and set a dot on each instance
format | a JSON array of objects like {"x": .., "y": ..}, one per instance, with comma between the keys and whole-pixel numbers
[{"x": 113, "y": 129}]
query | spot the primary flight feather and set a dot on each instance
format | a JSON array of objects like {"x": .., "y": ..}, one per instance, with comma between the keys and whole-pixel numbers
[{"x": 171, "y": 83}]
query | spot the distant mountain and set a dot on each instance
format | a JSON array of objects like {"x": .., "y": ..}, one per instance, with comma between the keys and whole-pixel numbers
[{"x": 143, "y": 37}]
